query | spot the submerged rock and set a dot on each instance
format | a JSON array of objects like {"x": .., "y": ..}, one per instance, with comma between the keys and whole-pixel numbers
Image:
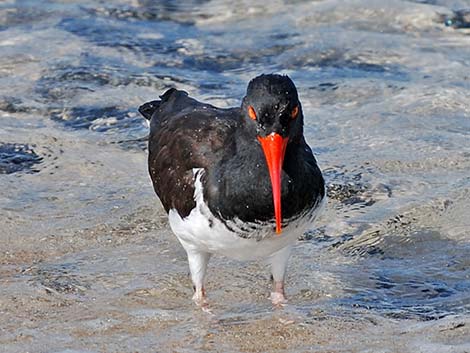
[
  {"x": 459, "y": 19},
  {"x": 17, "y": 157}
]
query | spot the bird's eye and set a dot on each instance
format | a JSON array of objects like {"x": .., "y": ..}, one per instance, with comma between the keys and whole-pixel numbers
[
  {"x": 251, "y": 112},
  {"x": 294, "y": 112}
]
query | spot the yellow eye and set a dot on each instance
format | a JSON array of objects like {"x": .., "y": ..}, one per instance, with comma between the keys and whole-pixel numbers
[
  {"x": 294, "y": 112},
  {"x": 251, "y": 112}
]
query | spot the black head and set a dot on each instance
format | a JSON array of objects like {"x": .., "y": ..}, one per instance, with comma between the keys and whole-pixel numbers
[
  {"x": 272, "y": 105},
  {"x": 272, "y": 109}
]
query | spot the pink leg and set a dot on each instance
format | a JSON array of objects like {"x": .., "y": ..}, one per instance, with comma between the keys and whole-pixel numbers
[
  {"x": 278, "y": 269},
  {"x": 278, "y": 297},
  {"x": 199, "y": 296},
  {"x": 197, "y": 266}
]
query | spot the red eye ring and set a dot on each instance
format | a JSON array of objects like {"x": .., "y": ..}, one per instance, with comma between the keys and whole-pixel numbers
[
  {"x": 251, "y": 112},
  {"x": 294, "y": 112}
]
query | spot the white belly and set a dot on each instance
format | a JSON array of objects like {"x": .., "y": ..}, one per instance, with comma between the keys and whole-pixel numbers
[{"x": 202, "y": 231}]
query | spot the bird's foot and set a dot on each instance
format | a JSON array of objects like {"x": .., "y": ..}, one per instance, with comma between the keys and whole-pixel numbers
[
  {"x": 200, "y": 299},
  {"x": 278, "y": 299}
]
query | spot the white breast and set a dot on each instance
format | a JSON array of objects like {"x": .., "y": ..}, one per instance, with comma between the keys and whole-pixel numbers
[{"x": 202, "y": 231}]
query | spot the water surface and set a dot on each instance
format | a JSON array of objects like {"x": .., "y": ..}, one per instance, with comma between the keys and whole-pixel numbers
[{"x": 88, "y": 262}]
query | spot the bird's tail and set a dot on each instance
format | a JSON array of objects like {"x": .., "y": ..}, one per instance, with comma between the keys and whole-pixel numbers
[{"x": 147, "y": 109}]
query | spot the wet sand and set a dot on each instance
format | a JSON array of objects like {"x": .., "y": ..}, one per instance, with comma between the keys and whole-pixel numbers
[
  {"x": 117, "y": 281},
  {"x": 87, "y": 260}
]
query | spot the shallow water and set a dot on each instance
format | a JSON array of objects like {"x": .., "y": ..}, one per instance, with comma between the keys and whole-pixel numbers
[{"x": 88, "y": 263}]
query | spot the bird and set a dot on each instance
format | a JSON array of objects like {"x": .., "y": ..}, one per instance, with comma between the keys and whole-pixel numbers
[{"x": 240, "y": 182}]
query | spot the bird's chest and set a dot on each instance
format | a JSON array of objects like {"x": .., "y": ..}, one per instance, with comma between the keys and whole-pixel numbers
[
  {"x": 244, "y": 191},
  {"x": 243, "y": 240}
]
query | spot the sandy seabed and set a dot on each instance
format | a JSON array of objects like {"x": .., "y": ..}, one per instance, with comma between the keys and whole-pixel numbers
[{"x": 87, "y": 260}]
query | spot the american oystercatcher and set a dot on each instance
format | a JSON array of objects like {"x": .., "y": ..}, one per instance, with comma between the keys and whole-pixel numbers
[{"x": 223, "y": 174}]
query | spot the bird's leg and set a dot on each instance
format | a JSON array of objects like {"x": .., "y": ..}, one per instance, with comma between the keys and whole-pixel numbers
[
  {"x": 278, "y": 297},
  {"x": 278, "y": 263},
  {"x": 197, "y": 266}
]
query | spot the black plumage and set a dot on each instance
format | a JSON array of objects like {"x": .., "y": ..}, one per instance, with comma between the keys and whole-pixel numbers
[
  {"x": 187, "y": 134},
  {"x": 223, "y": 175}
]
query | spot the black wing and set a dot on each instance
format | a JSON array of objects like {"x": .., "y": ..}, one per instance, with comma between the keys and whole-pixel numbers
[{"x": 184, "y": 134}]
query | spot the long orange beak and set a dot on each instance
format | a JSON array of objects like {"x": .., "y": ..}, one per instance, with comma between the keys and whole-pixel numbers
[{"x": 274, "y": 148}]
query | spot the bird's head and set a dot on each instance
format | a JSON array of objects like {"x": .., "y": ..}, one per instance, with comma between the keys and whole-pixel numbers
[{"x": 271, "y": 107}]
